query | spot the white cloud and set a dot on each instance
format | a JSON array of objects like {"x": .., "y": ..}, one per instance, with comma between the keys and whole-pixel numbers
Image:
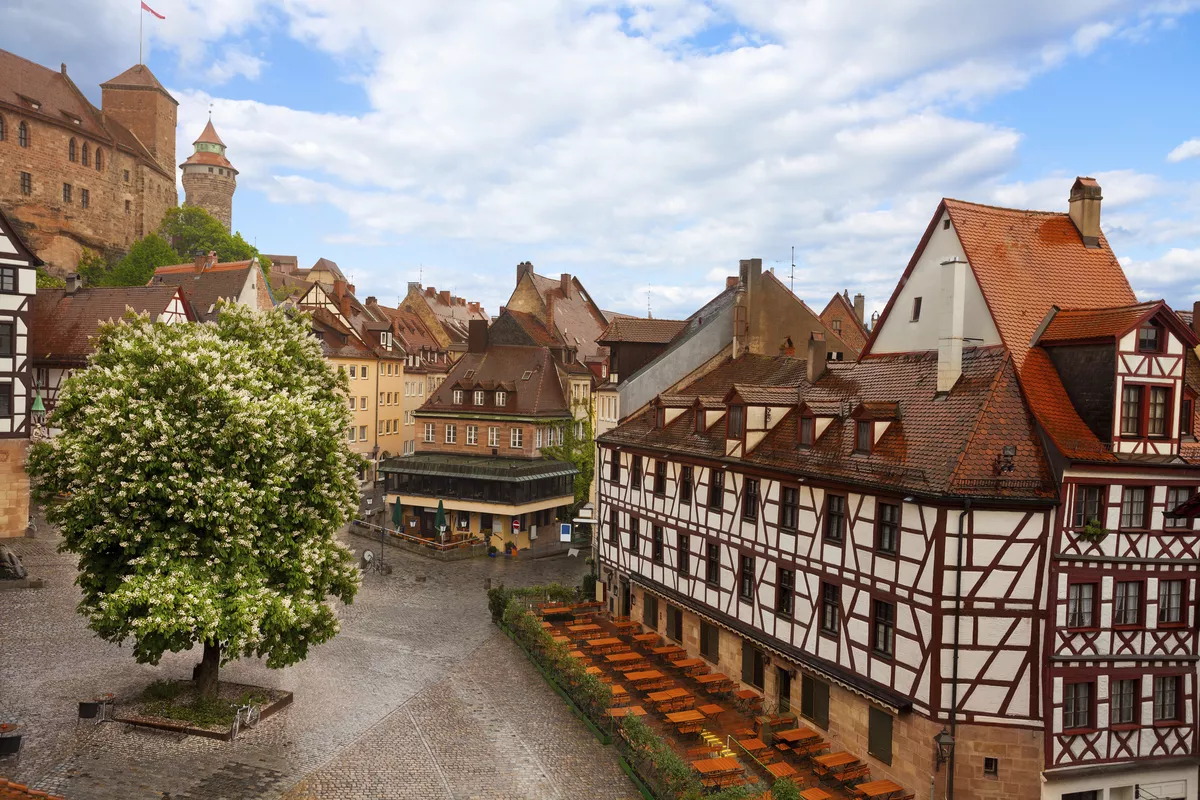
[
  {"x": 234, "y": 62},
  {"x": 1189, "y": 149}
]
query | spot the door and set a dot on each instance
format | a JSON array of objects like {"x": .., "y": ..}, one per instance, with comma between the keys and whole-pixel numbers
[{"x": 783, "y": 683}]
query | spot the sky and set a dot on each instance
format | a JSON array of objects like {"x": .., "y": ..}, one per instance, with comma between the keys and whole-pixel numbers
[{"x": 647, "y": 147}]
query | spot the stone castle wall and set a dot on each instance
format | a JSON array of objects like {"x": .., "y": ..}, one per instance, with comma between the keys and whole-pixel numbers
[{"x": 212, "y": 192}]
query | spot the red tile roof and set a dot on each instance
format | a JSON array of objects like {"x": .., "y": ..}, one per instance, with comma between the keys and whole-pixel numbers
[
  {"x": 539, "y": 334},
  {"x": 190, "y": 267},
  {"x": 62, "y": 324},
  {"x": 1049, "y": 402},
  {"x": 209, "y": 135},
  {"x": 1097, "y": 323},
  {"x": 204, "y": 289},
  {"x": 576, "y": 317},
  {"x": 539, "y": 395},
  {"x": 641, "y": 331},
  {"x": 1027, "y": 261},
  {"x": 206, "y": 159}
]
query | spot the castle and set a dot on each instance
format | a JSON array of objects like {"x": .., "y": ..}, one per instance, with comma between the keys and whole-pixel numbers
[{"x": 75, "y": 177}]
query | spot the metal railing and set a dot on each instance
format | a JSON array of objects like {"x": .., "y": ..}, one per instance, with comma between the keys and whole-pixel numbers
[{"x": 432, "y": 544}]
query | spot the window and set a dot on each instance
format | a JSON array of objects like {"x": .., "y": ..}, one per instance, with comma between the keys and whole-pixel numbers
[
  {"x": 85, "y": 160},
  {"x": 684, "y": 563},
  {"x": 1133, "y": 507},
  {"x": 66, "y": 192},
  {"x": 830, "y": 603},
  {"x": 126, "y": 176},
  {"x": 353, "y": 403},
  {"x": 362, "y": 432},
  {"x": 614, "y": 526},
  {"x": 1081, "y": 600},
  {"x": 84, "y": 198},
  {"x": 354, "y": 370},
  {"x": 537, "y": 438},
  {"x": 501, "y": 399},
  {"x": 1, "y": 129},
  {"x": 807, "y": 428},
  {"x": 493, "y": 437},
  {"x": 656, "y": 547},
  {"x": 862, "y": 436},
  {"x": 472, "y": 435},
  {"x": 71, "y": 154},
  {"x": 1077, "y": 706},
  {"x": 784, "y": 591},
  {"x": 429, "y": 426},
  {"x": 879, "y": 735},
  {"x": 1170, "y": 602},
  {"x": 991, "y": 767},
  {"x": 1156, "y": 417},
  {"x": 1187, "y": 411},
  {"x": 23, "y": 135},
  {"x": 750, "y": 500},
  {"x": 883, "y": 638},
  {"x": 1089, "y": 505},
  {"x": 660, "y": 418},
  {"x": 887, "y": 528},
  {"x": 6, "y": 399},
  {"x": 515, "y": 437},
  {"x": 736, "y": 422},
  {"x": 837, "y": 326},
  {"x": 835, "y": 517},
  {"x": 1089, "y": 795},
  {"x": 1149, "y": 339},
  {"x": 1131, "y": 410},
  {"x": 614, "y": 466},
  {"x": 353, "y": 435},
  {"x": 381, "y": 398},
  {"x": 1177, "y": 496},
  {"x": 716, "y": 489},
  {"x": 1122, "y": 698},
  {"x": 1166, "y": 698},
  {"x": 99, "y": 160},
  {"x": 789, "y": 507},
  {"x": 478, "y": 397},
  {"x": 635, "y": 472},
  {"x": 753, "y": 665},
  {"x": 685, "y": 485},
  {"x": 458, "y": 397},
  {"x": 916, "y": 310},
  {"x": 362, "y": 403},
  {"x": 6, "y": 338},
  {"x": 650, "y": 611},
  {"x": 712, "y": 562},
  {"x": 674, "y": 624},
  {"x": 633, "y": 534},
  {"x": 660, "y": 477},
  {"x": 364, "y": 372},
  {"x": 746, "y": 578},
  {"x": 814, "y": 700},
  {"x": 700, "y": 419},
  {"x": 1127, "y": 603},
  {"x": 27, "y": 184},
  {"x": 710, "y": 641}
]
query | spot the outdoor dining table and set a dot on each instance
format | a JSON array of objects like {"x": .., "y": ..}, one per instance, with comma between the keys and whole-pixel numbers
[
  {"x": 617, "y": 713},
  {"x": 562, "y": 639},
  {"x": 626, "y": 625},
  {"x": 749, "y": 698},
  {"x": 753, "y": 745},
  {"x": 831, "y": 761},
  {"x": 815, "y": 793},
  {"x": 692, "y": 666},
  {"x": 624, "y": 658},
  {"x": 667, "y": 651},
  {"x": 686, "y": 721},
  {"x": 604, "y": 642},
  {"x": 646, "y": 638},
  {"x": 884, "y": 788},
  {"x": 620, "y": 696},
  {"x": 796, "y": 735},
  {"x": 714, "y": 681},
  {"x": 589, "y": 627},
  {"x": 711, "y": 710},
  {"x": 672, "y": 699},
  {"x": 781, "y": 769},
  {"x": 717, "y": 766}
]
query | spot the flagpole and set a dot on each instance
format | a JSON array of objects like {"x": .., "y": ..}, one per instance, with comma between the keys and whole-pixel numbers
[{"x": 140, "y": 15}]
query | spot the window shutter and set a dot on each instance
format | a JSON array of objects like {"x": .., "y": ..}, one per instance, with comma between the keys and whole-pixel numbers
[
  {"x": 747, "y": 662},
  {"x": 879, "y": 735}
]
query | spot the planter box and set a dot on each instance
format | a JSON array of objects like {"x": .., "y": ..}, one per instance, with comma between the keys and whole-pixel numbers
[{"x": 183, "y": 727}]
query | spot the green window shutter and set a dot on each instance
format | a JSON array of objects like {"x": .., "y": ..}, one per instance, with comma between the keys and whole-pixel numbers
[
  {"x": 879, "y": 735},
  {"x": 747, "y": 662}
]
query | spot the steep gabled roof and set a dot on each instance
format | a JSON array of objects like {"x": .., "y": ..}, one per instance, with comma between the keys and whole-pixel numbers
[
  {"x": 62, "y": 324},
  {"x": 1070, "y": 325},
  {"x": 1049, "y": 402},
  {"x": 636, "y": 330},
  {"x": 209, "y": 135},
  {"x": 325, "y": 265},
  {"x": 576, "y": 317},
  {"x": 222, "y": 281},
  {"x": 139, "y": 75},
  {"x": 838, "y": 307},
  {"x": 541, "y": 394}
]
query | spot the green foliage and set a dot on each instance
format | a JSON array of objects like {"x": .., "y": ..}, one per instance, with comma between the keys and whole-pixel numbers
[
  {"x": 587, "y": 587},
  {"x": 580, "y": 450},
  {"x": 45, "y": 280},
  {"x": 178, "y": 700},
  {"x": 785, "y": 789},
  {"x": 92, "y": 267},
  {"x": 735, "y": 793},
  {"x": 498, "y": 598},
  {"x": 1093, "y": 531},
  {"x": 675, "y": 775},
  {"x": 138, "y": 265},
  {"x": 201, "y": 475},
  {"x": 191, "y": 228}
]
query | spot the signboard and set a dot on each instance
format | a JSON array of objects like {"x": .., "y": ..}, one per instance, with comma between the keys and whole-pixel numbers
[
  {"x": 564, "y": 532},
  {"x": 516, "y": 524}
]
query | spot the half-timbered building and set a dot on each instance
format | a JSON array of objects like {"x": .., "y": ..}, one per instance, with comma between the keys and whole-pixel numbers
[
  {"x": 18, "y": 286},
  {"x": 983, "y": 525}
]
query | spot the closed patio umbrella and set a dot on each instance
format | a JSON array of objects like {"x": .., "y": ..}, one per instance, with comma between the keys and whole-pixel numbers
[
  {"x": 397, "y": 515},
  {"x": 439, "y": 522}
]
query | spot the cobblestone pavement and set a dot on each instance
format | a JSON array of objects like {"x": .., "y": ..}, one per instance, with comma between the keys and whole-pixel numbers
[{"x": 419, "y": 697}]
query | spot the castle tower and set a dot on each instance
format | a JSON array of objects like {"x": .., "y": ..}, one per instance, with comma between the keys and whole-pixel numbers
[
  {"x": 209, "y": 180},
  {"x": 138, "y": 101}
]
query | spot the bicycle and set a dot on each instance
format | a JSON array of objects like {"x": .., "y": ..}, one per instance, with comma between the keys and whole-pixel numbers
[{"x": 252, "y": 716}]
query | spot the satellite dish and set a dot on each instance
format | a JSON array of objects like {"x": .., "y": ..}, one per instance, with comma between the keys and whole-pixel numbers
[{"x": 368, "y": 556}]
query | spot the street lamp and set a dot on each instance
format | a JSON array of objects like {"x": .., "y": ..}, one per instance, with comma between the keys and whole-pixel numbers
[{"x": 945, "y": 746}]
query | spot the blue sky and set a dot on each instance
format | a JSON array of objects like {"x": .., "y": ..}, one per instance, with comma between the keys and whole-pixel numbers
[{"x": 647, "y": 147}]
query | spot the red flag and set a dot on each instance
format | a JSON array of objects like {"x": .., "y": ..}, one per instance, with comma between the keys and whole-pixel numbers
[{"x": 151, "y": 10}]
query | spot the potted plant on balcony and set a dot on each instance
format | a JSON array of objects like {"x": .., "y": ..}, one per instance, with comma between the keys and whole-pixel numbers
[{"x": 1093, "y": 532}]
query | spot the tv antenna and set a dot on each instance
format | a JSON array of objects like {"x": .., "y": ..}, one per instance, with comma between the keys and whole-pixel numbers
[
  {"x": 792, "y": 279},
  {"x": 648, "y": 314}
]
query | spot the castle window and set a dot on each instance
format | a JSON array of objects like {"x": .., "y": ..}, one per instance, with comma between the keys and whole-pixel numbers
[
  {"x": 23, "y": 135},
  {"x": 210, "y": 169},
  {"x": 1, "y": 129},
  {"x": 99, "y": 159},
  {"x": 128, "y": 208},
  {"x": 66, "y": 192},
  {"x": 127, "y": 176},
  {"x": 26, "y": 183},
  {"x": 71, "y": 150},
  {"x": 84, "y": 198},
  {"x": 85, "y": 160}
]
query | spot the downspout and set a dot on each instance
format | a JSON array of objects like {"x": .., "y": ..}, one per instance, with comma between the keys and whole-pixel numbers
[{"x": 962, "y": 517}]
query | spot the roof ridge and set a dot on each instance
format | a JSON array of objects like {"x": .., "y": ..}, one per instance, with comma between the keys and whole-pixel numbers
[
  {"x": 1026, "y": 211},
  {"x": 1142, "y": 304}
]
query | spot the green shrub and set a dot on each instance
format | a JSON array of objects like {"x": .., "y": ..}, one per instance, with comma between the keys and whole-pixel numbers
[
  {"x": 784, "y": 789},
  {"x": 498, "y": 598},
  {"x": 587, "y": 587}
]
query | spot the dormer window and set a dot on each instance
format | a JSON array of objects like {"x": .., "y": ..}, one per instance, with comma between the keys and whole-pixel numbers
[
  {"x": 1150, "y": 339},
  {"x": 458, "y": 397},
  {"x": 1144, "y": 410},
  {"x": 478, "y": 397},
  {"x": 736, "y": 422},
  {"x": 501, "y": 399},
  {"x": 1156, "y": 414},
  {"x": 700, "y": 419},
  {"x": 660, "y": 418},
  {"x": 862, "y": 436},
  {"x": 808, "y": 426}
]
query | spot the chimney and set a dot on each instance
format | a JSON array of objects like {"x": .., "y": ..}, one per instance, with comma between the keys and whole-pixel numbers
[
  {"x": 371, "y": 301},
  {"x": 350, "y": 288},
  {"x": 564, "y": 284},
  {"x": 75, "y": 283},
  {"x": 1196, "y": 317},
  {"x": 477, "y": 336},
  {"x": 444, "y": 297},
  {"x": 414, "y": 285},
  {"x": 339, "y": 288},
  {"x": 212, "y": 259},
  {"x": 1085, "y": 210},
  {"x": 818, "y": 349},
  {"x": 198, "y": 258},
  {"x": 953, "y": 310},
  {"x": 430, "y": 292},
  {"x": 474, "y": 307},
  {"x": 522, "y": 268},
  {"x": 731, "y": 281},
  {"x": 344, "y": 306},
  {"x": 860, "y": 306}
]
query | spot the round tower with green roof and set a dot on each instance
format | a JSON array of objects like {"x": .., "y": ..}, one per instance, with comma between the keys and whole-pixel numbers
[{"x": 209, "y": 180}]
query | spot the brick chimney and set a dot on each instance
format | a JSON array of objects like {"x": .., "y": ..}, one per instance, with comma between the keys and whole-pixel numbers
[
  {"x": 339, "y": 288},
  {"x": 860, "y": 306},
  {"x": 74, "y": 282},
  {"x": 350, "y": 288},
  {"x": 371, "y": 301},
  {"x": 199, "y": 257},
  {"x": 731, "y": 281},
  {"x": 477, "y": 336},
  {"x": 522, "y": 268},
  {"x": 444, "y": 297},
  {"x": 474, "y": 307},
  {"x": 564, "y": 284},
  {"x": 818, "y": 349},
  {"x": 953, "y": 311},
  {"x": 430, "y": 291},
  {"x": 1085, "y": 210},
  {"x": 1196, "y": 317}
]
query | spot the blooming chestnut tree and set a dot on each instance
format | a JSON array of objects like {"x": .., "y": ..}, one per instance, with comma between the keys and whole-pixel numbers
[{"x": 200, "y": 475}]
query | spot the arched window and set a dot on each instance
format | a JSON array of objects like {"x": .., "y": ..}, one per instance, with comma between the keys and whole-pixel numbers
[
  {"x": 23, "y": 135},
  {"x": 99, "y": 159},
  {"x": 71, "y": 150},
  {"x": 86, "y": 161}
]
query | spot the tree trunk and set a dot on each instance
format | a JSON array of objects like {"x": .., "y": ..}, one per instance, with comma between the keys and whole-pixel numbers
[{"x": 207, "y": 670}]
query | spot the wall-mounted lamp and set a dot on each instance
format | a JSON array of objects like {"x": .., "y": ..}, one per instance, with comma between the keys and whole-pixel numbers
[{"x": 944, "y": 744}]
